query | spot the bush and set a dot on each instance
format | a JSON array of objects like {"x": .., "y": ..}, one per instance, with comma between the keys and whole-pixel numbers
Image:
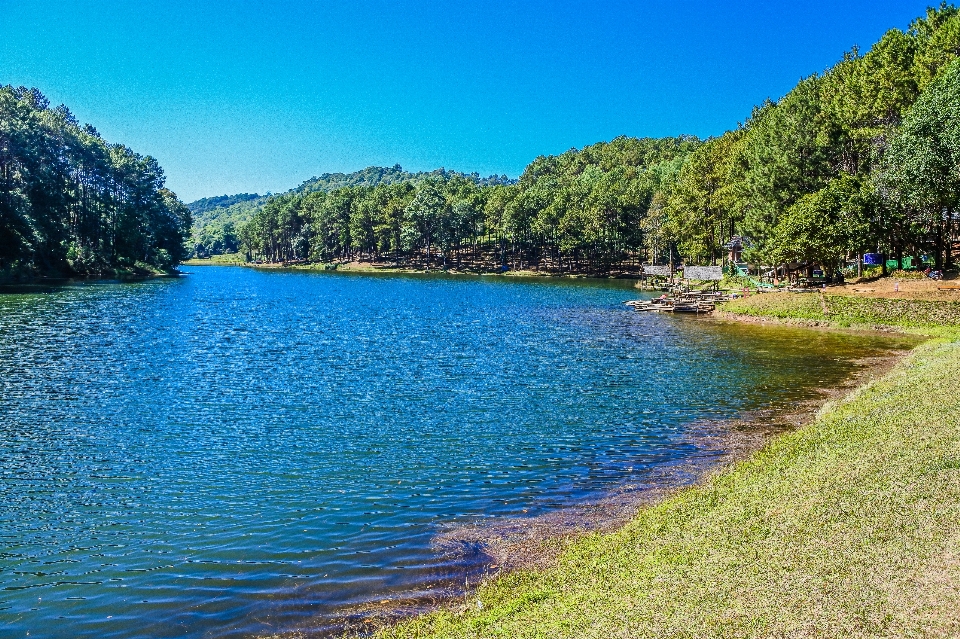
[
  {"x": 736, "y": 282},
  {"x": 847, "y": 310},
  {"x": 907, "y": 275}
]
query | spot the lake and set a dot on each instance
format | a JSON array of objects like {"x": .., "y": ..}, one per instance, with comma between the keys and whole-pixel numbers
[{"x": 238, "y": 452}]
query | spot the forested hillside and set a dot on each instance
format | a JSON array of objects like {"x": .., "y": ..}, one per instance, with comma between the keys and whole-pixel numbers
[
  {"x": 73, "y": 203},
  {"x": 370, "y": 176},
  {"x": 864, "y": 157},
  {"x": 217, "y": 220},
  {"x": 201, "y": 208},
  {"x": 582, "y": 210},
  {"x": 377, "y": 175}
]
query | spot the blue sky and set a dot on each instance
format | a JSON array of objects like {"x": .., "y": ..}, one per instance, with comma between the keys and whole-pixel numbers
[{"x": 257, "y": 95}]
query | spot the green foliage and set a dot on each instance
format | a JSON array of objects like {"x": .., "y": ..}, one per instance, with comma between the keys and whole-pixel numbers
[
  {"x": 582, "y": 210},
  {"x": 378, "y": 175},
  {"x": 788, "y": 152},
  {"x": 70, "y": 202},
  {"x": 922, "y": 168},
  {"x": 907, "y": 275},
  {"x": 702, "y": 207},
  {"x": 854, "y": 160},
  {"x": 849, "y": 310},
  {"x": 200, "y": 208},
  {"x": 924, "y": 156},
  {"x": 825, "y": 226},
  {"x": 217, "y": 220},
  {"x": 938, "y": 37},
  {"x": 861, "y": 158},
  {"x": 736, "y": 283}
]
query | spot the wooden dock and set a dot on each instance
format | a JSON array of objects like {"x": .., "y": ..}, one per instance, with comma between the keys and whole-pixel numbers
[{"x": 696, "y": 302}]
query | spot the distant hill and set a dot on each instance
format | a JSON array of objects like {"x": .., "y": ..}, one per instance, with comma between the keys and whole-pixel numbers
[
  {"x": 223, "y": 208},
  {"x": 221, "y": 202},
  {"x": 370, "y": 176},
  {"x": 217, "y": 220},
  {"x": 376, "y": 175}
]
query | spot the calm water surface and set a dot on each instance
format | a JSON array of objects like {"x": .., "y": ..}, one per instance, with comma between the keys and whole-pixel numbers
[{"x": 235, "y": 453}]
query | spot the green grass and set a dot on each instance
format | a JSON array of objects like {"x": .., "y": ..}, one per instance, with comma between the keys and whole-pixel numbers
[
  {"x": 216, "y": 260},
  {"x": 736, "y": 283},
  {"x": 795, "y": 306},
  {"x": 847, "y": 527},
  {"x": 845, "y": 310}
]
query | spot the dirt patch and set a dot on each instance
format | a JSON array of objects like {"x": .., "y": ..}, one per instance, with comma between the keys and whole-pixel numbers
[{"x": 910, "y": 289}]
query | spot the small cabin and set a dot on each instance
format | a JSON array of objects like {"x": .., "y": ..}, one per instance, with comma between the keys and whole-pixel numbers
[{"x": 735, "y": 247}]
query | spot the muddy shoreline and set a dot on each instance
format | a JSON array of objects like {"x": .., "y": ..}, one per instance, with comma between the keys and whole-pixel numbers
[{"x": 485, "y": 550}]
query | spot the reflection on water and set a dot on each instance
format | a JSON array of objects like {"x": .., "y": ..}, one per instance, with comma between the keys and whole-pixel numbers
[{"x": 238, "y": 452}]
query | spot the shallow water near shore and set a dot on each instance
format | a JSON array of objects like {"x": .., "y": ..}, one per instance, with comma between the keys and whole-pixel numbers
[{"x": 235, "y": 453}]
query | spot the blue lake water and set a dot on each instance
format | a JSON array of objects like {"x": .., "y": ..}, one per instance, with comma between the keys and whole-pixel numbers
[{"x": 236, "y": 453}]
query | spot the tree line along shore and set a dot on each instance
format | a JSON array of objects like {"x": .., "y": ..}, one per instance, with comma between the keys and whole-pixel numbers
[
  {"x": 862, "y": 158},
  {"x": 72, "y": 203}
]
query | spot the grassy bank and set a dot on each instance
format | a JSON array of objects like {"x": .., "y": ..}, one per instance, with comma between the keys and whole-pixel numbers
[
  {"x": 849, "y": 310},
  {"x": 229, "y": 259},
  {"x": 139, "y": 270},
  {"x": 849, "y": 526}
]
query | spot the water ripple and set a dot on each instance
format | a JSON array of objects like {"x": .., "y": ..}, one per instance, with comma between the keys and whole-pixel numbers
[{"x": 232, "y": 451}]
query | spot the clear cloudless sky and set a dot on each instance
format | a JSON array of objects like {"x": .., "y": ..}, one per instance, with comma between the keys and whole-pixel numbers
[{"x": 259, "y": 95}]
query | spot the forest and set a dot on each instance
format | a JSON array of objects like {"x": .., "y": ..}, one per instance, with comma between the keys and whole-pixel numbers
[
  {"x": 218, "y": 220},
  {"x": 862, "y": 158},
  {"x": 72, "y": 203}
]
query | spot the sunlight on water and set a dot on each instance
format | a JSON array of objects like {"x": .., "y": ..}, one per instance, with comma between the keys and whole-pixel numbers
[{"x": 237, "y": 452}]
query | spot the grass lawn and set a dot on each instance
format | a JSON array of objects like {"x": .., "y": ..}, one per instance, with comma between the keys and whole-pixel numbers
[
  {"x": 847, "y": 527},
  {"x": 217, "y": 260},
  {"x": 845, "y": 309}
]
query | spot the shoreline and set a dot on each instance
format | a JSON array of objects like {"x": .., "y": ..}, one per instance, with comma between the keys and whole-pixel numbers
[
  {"x": 511, "y": 584},
  {"x": 517, "y": 545},
  {"x": 367, "y": 267},
  {"x": 43, "y": 283}
]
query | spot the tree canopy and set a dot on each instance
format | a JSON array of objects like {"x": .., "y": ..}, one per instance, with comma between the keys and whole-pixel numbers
[
  {"x": 862, "y": 157},
  {"x": 859, "y": 158},
  {"x": 579, "y": 211},
  {"x": 72, "y": 203}
]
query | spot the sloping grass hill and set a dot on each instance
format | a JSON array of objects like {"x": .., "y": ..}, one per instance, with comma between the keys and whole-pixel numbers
[{"x": 849, "y": 310}]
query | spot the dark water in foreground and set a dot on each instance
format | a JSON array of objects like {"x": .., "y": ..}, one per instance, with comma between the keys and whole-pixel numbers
[{"x": 235, "y": 453}]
